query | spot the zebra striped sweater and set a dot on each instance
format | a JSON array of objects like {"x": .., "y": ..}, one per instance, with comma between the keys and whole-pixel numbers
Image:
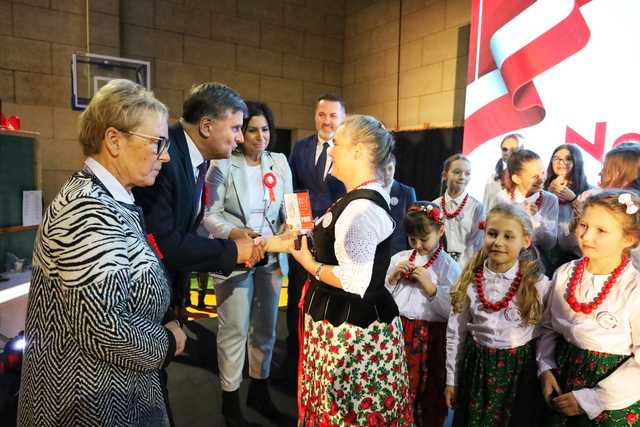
[{"x": 95, "y": 342}]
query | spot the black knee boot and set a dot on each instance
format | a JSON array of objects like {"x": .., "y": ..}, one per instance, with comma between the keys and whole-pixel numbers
[
  {"x": 232, "y": 412},
  {"x": 259, "y": 399}
]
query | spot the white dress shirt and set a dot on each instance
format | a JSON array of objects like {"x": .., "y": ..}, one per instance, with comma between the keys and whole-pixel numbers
[
  {"x": 362, "y": 225},
  {"x": 500, "y": 329},
  {"x": 463, "y": 233},
  {"x": 413, "y": 302},
  {"x": 614, "y": 327},
  {"x": 114, "y": 186},
  {"x": 196, "y": 160},
  {"x": 545, "y": 221}
]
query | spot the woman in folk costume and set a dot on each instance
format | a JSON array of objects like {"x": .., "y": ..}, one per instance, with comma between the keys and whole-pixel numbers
[
  {"x": 352, "y": 369},
  {"x": 420, "y": 280},
  {"x": 461, "y": 213},
  {"x": 588, "y": 351},
  {"x": 496, "y": 305}
]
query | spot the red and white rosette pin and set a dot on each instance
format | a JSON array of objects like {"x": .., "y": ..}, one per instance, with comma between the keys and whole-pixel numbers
[{"x": 269, "y": 180}]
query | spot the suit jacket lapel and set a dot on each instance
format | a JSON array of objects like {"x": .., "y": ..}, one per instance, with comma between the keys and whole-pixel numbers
[
  {"x": 177, "y": 136},
  {"x": 240, "y": 184}
]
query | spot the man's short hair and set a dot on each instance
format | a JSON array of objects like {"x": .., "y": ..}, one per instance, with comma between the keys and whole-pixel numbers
[
  {"x": 333, "y": 98},
  {"x": 213, "y": 100}
]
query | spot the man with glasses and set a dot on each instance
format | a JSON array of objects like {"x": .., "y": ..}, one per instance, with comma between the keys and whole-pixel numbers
[
  {"x": 509, "y": 144},
  {"x": 210, "y": 128}
]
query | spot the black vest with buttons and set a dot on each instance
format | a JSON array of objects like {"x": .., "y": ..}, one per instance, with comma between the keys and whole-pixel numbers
[{"x": 324, "y": 302}]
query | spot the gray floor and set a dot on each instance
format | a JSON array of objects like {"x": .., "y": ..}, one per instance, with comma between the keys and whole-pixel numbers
[{"x": 194, "y": 386}]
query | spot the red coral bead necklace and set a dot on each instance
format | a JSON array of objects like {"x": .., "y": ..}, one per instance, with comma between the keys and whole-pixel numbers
[
  {"x": 429, "y": 262},
  {"x": 451, "y": 215},
  {"x": 576, "y": 278},
  {"x": 504, "y": 302}
]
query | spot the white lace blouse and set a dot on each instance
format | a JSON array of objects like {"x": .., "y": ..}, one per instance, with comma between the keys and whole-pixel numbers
[{"x": 362, "y": 225}]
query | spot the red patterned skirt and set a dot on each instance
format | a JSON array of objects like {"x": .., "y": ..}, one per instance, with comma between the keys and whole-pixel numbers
[
  {"x": 353, "y": 376},
  {"x": 424, "y": 345}
]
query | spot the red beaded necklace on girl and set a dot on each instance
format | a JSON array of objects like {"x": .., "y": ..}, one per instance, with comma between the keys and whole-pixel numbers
[
  {"x": 576, "y": 278},
  {"x": 504, "y": 302},
  {"x": 429, "y": 262},
  {"x": 457, "y": 211},
  {"x": 538, "y": 202}
]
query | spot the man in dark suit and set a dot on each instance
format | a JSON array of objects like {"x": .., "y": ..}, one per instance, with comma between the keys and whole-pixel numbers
[
  {"x": 401, "y": 197},
  {"x": 210, "y": 128},
  {"x": 311, "y": 169}
]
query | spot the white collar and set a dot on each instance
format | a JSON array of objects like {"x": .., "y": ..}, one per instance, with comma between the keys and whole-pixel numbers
[
  {"x": 388, "y": 189},
  {"x": 377, "y": 186},
  {"x": 322, "y": 141},
  {"x": 194, "y": 153},
  {"x": 107, "y": 179},
  {"x": 518, "y": 197},
  {"x": 508, "y": 275},
  {"x": 457, "y": 200}
]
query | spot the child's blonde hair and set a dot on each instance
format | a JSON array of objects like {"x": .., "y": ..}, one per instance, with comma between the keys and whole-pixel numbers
[{"x": 531, "y": 269}]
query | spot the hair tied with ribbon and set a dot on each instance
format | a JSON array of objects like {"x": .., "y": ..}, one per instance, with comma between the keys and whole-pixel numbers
[
  {"x": 430, "y": 211},
  {"x": 625, "y": 199},
  {"x": 482, "y": 225}
]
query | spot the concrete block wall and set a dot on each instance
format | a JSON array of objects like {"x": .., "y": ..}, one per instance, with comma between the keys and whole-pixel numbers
[
  {"x": 37, "y": 38},
  {"x": 283, "y": 52},
  {"x": 423, "y": 85}
]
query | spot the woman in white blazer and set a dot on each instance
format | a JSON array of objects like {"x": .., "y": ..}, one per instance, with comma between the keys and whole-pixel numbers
[{"x": 247, "y": 199}]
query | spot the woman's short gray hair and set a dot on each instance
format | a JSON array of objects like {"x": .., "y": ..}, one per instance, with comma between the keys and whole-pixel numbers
[
  {"x": 120, "y": 104},
  {"x": 369, "y": 130}
]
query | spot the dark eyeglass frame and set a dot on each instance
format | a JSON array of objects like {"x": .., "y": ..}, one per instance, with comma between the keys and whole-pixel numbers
[
  {"x": 560, "y": 159},
  {"x": 161, "y": 143}
]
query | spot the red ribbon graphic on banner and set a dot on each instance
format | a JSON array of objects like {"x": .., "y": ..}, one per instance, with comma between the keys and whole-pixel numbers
[{"x": 520, "y": 106}]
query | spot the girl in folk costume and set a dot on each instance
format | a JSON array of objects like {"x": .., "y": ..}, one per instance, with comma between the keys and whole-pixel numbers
[
  {"x": 565, "y": 179},
  {"x": 461, "y": 213},
  {"x": 496, "y": 305},
  {"x": 420, "y": 280},
  {"x": 352, "y": 366},
  {"x": 524, "y": 188},
  {"x": 588, "y": 351},
  {"x": 621, "y": 169}
]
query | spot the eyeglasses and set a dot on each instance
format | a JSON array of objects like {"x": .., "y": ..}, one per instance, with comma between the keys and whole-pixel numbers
[
  {"x": 561, "y": 160},
  {"x": 161, "y": 143}
]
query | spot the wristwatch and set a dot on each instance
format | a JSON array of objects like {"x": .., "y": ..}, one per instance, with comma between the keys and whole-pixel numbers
[{"x": 317, "y": 273}]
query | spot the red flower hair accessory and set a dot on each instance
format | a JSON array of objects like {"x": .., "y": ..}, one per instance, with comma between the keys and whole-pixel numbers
[
  {"x": 430, "y": 211},
  {"x": 482, "y": 225}
]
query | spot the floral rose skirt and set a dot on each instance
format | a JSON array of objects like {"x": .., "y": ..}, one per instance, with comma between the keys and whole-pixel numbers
[
  {"x": 583, "y": 368},
  {"x": 498, "y": 387},
  {"x": 353, "y": 376},
  {"x": 424, "y": 345}
]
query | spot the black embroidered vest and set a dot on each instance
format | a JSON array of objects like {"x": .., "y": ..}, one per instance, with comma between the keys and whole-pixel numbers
[{"x": 324, "y": 302}]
